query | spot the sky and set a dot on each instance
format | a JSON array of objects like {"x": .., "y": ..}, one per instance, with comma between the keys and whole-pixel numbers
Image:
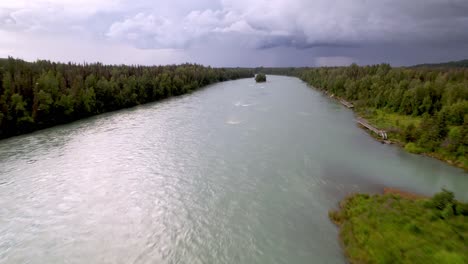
[{"x": 227, "y": 33}]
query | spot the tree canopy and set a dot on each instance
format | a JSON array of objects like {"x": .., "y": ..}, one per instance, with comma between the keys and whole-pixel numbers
[{"x": 260, "y": 77}]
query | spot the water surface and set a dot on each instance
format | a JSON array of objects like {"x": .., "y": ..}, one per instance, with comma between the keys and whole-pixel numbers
[{"x": 235, "y": 173}]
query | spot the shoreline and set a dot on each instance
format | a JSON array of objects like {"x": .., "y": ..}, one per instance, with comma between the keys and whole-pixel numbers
[
  {"x": 404, "y": 194},
  {"x": 390, "y": 141},
  {"x": 432, "y": 155}
]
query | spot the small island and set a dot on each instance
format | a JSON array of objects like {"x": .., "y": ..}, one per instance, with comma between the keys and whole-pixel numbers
[
  {"x": 260, "y": 77},
  {"x": 399, "y": 227}
]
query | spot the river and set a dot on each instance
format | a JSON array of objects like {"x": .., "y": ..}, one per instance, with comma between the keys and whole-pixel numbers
[{"x": 237, "y": 172}]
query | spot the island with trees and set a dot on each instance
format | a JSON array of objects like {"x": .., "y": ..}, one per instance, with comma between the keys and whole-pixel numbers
[{"x": 260, "y": 77}]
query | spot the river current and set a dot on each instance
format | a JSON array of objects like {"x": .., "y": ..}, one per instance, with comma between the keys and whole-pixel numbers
[{"x": 237, "y": 172}]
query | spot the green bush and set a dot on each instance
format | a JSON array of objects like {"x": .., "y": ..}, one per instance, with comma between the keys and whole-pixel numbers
[
  {"x": 336, "y": 216},
  {"x": 413, "y": 148},
  {"x": 434, "y": 216},
  {"x": 260, "y": 77},
  {"x": 413, "y": 227},
  {"x": 447, "y": 212},
  {"x": 442, "y": 199},
  {"x": 461, "y": 209}
]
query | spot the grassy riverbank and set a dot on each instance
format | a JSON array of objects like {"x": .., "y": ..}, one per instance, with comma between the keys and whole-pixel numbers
[
  {"x": 403, "y": 228},
  {"x": 424, "y": 109},
  {"x": 405, "y": 129}
]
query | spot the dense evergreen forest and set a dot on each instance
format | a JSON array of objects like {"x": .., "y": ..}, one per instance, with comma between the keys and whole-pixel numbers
[
  {"x": 42, "y": 94},
  {"x": 425, "y": 109}
]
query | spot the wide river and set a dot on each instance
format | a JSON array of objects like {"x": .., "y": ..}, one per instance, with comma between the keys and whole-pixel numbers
[{"x": 237, "y": 172}]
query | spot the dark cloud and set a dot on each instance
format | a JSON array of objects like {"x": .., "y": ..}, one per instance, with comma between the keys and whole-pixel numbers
[
  {"x": 308, "y": 32},
  {"x": 299, "y": 42}
]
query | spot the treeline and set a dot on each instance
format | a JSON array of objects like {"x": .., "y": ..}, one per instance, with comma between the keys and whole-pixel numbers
[
  {"x": 436, "y": 97},
  {"x": 450, "y": 64},
  {"x": 42, "y": 94},
  {"x": 290, "y": 71}
]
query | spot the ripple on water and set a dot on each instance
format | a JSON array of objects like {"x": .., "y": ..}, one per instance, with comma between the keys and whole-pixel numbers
[{"x": 178, "y": 182}]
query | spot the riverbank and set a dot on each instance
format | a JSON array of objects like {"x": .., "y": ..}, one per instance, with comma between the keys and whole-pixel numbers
[
  {"x": 400, "y": 130},
  {"x": 400, "y": 227},
  {"x": 42, "y": 94},
  {"x": 389, "y": 96}
]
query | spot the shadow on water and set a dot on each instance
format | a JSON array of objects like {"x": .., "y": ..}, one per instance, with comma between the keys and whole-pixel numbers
[{"x": 343, "y": 180}]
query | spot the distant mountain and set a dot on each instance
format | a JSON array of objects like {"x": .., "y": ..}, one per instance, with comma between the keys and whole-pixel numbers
[{"x": 450, "y": 64}]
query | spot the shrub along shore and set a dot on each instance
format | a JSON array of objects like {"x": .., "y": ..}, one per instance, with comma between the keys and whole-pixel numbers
[{"x": 399, "y": 227}]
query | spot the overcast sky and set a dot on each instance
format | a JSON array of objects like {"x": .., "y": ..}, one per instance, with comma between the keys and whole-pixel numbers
[{"x": 236, "y": 32}]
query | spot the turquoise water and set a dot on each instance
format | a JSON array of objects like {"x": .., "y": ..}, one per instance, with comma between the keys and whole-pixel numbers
[{"x": 237, "y": 172}]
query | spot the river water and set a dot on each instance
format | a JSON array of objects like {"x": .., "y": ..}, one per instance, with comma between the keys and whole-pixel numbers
[{"x": 237, "y": 172}]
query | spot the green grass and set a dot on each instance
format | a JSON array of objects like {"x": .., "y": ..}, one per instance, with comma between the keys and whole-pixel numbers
[
  {"x": 392, "y": 229},
  {"x": 388, "y": 120},
  {"x": 395, "y": 124},
  {"x": 391, "y": 122},
  {"x": 413, "y": 148}
]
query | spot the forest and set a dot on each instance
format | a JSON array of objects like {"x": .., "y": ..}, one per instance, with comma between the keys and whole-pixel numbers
[
  {"x": 425, "y": 109},
  {"x": 35, "y": 95}
]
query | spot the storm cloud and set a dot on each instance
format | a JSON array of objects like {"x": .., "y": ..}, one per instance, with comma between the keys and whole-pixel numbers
[{"x": 236, "y": 32}]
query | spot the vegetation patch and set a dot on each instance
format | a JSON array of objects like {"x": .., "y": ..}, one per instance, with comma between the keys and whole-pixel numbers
[
  {"x": 413, "y": 148},
  {"x": 398, "y": 227},
  {"x": 260, "y": 77}
]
